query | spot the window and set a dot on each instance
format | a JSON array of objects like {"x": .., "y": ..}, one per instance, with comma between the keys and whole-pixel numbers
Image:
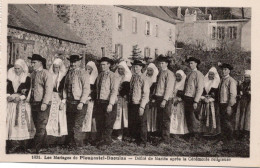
[
  {"x": 147, "y": 28},
  {"x": 156, "y": 53},
  {"x": 119, "y": 21},
  {"x": 134, "y": 25},
  {"x": 147, "y": 52},
  {"x": 119, "y": 50},
  {"x": 103, "y": 51},
  {"x": 170, "y": 34},
  {"x": 213, "y": 35},
  {"x": 156, "y": 31},
  {"x": 232, "y": 32},
  {"x": 221, "y": 32},
  {"x": 18, "y": 48}
]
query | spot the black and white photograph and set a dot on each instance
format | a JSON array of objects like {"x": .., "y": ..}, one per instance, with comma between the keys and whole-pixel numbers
[{"x": 114, "y": 81}]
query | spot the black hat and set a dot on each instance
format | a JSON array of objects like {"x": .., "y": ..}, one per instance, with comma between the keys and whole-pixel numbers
[
  {"x": 228, "y": 66},
  {"x": 38, "y": 57},
  {"x": 162, "y": 58},
  {"x": 74, "y": 58},
  {"x": 193, "y": 59},
  {"x": 106, "y": 59},
  {"x": 138, "y": 62}
]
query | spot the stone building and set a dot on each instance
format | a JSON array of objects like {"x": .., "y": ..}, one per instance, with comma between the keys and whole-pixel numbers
[
  {"x": 114, "y": 30},
  {"x": 203, "y": 32},
  {"x": 35, "y": 29}
]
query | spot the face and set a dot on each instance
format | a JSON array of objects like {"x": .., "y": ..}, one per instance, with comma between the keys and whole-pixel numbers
[
  {"x": 211, "y": 75},
  {"x": 121, "y": 70},
  {"x": 104, "y": 66},
  {"x": 89, "y": 69},
  {"x": 162, "y": 65},
  {"x": 247, "y": 78},
  {"x": 178, "y": 77},
  {"x": 36, "y": 64},
  {"x": 225, "y": 71},
  {"x": 137, "y": 69},
  {"x": 74, "y": 65},
  {"x": 18, "y": 70},
  {"x": 56, "y": 68},
  {"x": 150, "y": 71},
  {"x": 193, "y": 65}
]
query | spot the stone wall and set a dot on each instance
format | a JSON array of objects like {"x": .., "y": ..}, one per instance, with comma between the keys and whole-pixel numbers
[
  {"x": 48, "y": 47},
  {"x": 93, "y": 23}
]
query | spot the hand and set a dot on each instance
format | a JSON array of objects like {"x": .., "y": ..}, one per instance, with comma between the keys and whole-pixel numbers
[
  {"x": 163, "y": 104},
  {"x": 61, "y": 106},
  {"x": 80, "y": 106},
  {"x": 17, "y": 99},
  {"x": 10, "y": 98},
  {"x": 43, "y": 107},
  {"x": 229, "y": 110},
  {"x": 141, "y": 111},
  {"x": 153, "y": 101},
  {"x": 206, "y": 100},
  {"x": 195, "y": 105},
  {"x": 109, "y": 108}
]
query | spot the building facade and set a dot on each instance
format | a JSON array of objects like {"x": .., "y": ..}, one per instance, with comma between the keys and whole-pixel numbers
[
  {"x": 114, "y": 30},
  {"x": 211, "y": 34},
  {"x": 34, "y": 29}
]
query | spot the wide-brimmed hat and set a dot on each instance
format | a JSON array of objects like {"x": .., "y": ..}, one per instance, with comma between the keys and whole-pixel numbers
[
  {"x": 38, "y": 57},
  {"x": 193, "y": 59},
  {"x": 228, "y": 66},
  {"x": 74, "y": 58},
  {"x": 106, "y": 59},
  {"x": 138, "y": 62},
  {"x": 162, "y": 58}
]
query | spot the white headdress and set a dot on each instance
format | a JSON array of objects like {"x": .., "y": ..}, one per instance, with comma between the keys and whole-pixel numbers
[
  {"x": 128, "y": 75},
  {"x": 211, "y": 83},
  {"x": 17, "y": 80},
  {"x": 62, "y": 71},
  {"x": 180, "y": 85},
  {"x": 155, "y": 72},
  {"x": 94, "y": 73}
]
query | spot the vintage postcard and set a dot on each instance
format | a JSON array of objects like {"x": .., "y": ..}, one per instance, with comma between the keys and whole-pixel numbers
[{"x": 130, "y": 82}]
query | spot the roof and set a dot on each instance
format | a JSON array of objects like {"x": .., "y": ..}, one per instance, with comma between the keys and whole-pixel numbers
[
  {"x": 153, "y": 11},
  {"x": 40, "y": 19},
  {"x": 170, "y": 12}
]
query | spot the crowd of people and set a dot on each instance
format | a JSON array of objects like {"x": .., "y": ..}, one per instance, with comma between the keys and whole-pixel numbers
[{"x": 131, "y": 103}]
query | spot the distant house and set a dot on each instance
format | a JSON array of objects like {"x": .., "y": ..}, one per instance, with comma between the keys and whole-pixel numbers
[
  {"x": 114, "y": 30},
  {"x": 211, "y": 34},
  {"x": 35, "y": 29}
]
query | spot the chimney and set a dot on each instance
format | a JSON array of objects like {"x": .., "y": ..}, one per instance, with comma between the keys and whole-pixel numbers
[
  {"x": 210, "y": 17},
  {"x": 206, "y": 10},
  {"x": 187, "y": 12},
  {"x": 179, "y": 12}
]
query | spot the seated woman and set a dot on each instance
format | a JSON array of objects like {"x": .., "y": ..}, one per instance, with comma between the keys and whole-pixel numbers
[
  {"x": 210, "y": 121},
  {"x": 57, "y": 122},
  {"x": 178, "y": 121},
  {"x": 20, "y": 126}
]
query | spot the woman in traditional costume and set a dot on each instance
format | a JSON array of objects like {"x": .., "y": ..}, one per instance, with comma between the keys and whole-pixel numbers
[
  {"x": 151, "y": 76},
  {"x": 210, "y": 121},
  {"x": 89, "y": 125},
  {"x": 178, "y": 121},
  {"x": 123, "y": 74},
  {"x": 57, "y": 122},
  {"x": 20, "y": 126},
  {"x": 244, "y": 104}
]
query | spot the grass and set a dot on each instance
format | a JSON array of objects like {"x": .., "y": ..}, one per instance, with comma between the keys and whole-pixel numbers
[{"x": 199, "y": 147}]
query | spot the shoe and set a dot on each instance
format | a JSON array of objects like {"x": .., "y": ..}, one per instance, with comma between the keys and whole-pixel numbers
[
  {"x": 32, "y": 151},
  {"x": 143, "y": 145}
]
